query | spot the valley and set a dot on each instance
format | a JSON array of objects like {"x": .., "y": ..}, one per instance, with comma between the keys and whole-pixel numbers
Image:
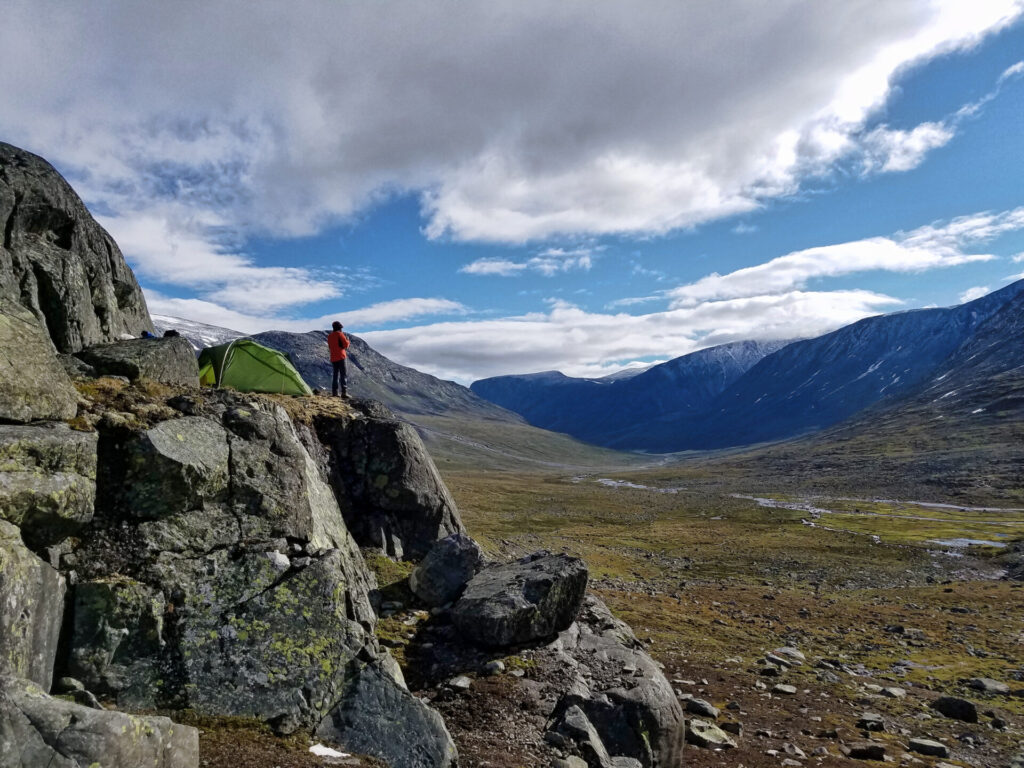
[{"x": 874, "y": 594}]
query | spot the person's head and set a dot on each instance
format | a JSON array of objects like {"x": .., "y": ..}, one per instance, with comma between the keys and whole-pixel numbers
[{"x": 336, "y": 325}]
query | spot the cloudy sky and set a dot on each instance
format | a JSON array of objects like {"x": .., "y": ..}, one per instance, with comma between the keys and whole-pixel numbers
[{"x": 481, "y": 188}]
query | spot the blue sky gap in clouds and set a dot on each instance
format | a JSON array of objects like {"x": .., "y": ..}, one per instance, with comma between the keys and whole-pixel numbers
[{"x": 578, "y": 187}]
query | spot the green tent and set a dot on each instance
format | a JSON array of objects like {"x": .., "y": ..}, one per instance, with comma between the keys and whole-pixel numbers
[{"x": 250, "y": 367}]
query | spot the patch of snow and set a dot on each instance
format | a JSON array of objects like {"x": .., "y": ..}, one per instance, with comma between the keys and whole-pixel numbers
[
  {"x": 321, "y": 751},
  {"x": 977, "y": 410}
]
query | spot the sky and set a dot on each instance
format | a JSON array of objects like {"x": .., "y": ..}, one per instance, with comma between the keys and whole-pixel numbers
[{"x": 484, "y": 188}]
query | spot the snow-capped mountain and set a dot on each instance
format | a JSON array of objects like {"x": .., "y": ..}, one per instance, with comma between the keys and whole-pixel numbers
[{"x": 199, "y": 335}]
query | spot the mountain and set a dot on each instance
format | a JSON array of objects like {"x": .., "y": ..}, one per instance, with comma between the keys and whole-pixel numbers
[
  {"x": 815, "y": 383},
  {"x": 618, "y": 409},
  {"x": 199, "y": 335},
  {"x": 742, "y": 394},
  {"x": 958, "y": 434},
  {"x": 374, "y": 376}
]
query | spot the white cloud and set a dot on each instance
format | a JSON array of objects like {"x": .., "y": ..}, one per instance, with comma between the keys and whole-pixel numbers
[
  {"x": 514, "y": 120},
  {"x": 896, "y": 150},
  {"x": 355, "y": 320},
  {"x": 974, "y": 293},
  {"x": 1018, "y": 257},
  {"x": 929, "y": 247},
  {"x": 744, "y": 228},
  {"x": 502, "y": 267},
  {"x": 583, "y": 343},
  {"x": 549, "y": 262},
  {"x": 1012, "y": 71}
]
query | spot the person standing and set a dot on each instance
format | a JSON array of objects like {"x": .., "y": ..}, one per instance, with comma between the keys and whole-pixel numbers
[{"x": 337, "y": 342}]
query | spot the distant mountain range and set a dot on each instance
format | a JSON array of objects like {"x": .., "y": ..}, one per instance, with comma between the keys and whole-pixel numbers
[
  {"x": 619, "y": 410},
  {"x": 743, "y": 394}
]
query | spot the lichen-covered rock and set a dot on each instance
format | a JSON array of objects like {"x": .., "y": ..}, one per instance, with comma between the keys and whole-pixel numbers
[
  {"x": 247, "y": 595},
  {"x": 57, "y": 262},
  {"x": 38, "y": 730},
  {"x": 33, "y": 383},
  {"x": 388, "y": 487},
  {"x": 449, "y": 565},
  {"x": 638, "y": 716},
  {"x": 574, "y": 726},
  {"x": 166, "y": 360},
  {"x": 47, "y": 481},
  {"x": 377, "y": 716},
  {"x": 527, "y": 600},
  {"x": 177, "y": 465},
  {"x": 116, "y": 639},
  {"x": 31, "y": 609}
]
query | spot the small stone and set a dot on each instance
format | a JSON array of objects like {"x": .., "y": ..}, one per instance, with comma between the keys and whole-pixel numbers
[
  {"x": 956, "y": 708},
  {"x": 701, "y": 733},
  {"x": 736, "y": 729},
  {"x": 68, "y": 685},
  {"x": 928, "y": 747},
  {"x": 794, "y": 750},
  {"x": 278, "y": 561},
  {"x": 864, "y": 750},
  {"x": 460, "y": 683},
  {"x": 894, "y": 693},
  {"x": 820, "y": 751},
  {"x": 494, "y": 667},
  {"x": 785, "y": 690},
  {"x": 791, "y": 763},
  {"x": 871, "y": 721},
  {"x": 702, "y": 708},
  {"x": 795, "y": 656},
  {"x": 988, "y": 685},
  {"x": 770, "y": 670}
]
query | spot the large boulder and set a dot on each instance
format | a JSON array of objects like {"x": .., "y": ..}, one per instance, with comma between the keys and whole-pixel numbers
[
  {"x": 38, "y": 730},
  {"x": 389, "y": 489},
  {"x": 47, "y": 481},
  {"x": 31, "y": 609},
  {"x": 378, "y": 716},
  {"x": 58, "y": 263},
  {"x": 166, "y": 360},
  {"x": 530, "y": 599},
  {"x": 33, "y": 383},
  {"x": 247, "y": 596},
  {"x": 441, "y": 576},
  {"x": 636, "y": 716}
]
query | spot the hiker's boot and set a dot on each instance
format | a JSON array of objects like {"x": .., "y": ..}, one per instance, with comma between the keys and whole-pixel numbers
[{"x": 344, "y": 394}]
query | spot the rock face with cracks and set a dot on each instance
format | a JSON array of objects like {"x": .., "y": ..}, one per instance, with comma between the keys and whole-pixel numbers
[
  {"x": 33, "y": 383},
  {"x": 527, "y": 600},
  {"x": 391, "y": 494},
  {"x": 441, "y": 576},
  {"x": 31, "y": 607},
  {"x": 37, "y": 730},
  {"x": 47, "y": 481},
  {"x": 168, "y": 361},
  {"x": 58, "y": 263}
]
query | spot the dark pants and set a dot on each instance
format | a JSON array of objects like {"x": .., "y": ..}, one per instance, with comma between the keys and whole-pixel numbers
[{"x": 340, "y": 374}]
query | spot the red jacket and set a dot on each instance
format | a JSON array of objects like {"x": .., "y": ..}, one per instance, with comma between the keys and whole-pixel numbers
[{"x": 338, "y": 343}]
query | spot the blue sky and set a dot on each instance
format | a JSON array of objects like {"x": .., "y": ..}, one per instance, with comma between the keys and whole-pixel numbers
[{"x": 498, "y": 188}]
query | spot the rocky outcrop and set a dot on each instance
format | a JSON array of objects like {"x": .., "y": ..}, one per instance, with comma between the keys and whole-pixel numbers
[
  {"x": 38, "y": 730},
  {"x": 389, "y": 489},
  {"x": 442, "y": 575},
  {"x": 58, "y": 263},
  {"x": 33, "y": 384},
  {"x": 619, "y": 688},
  {"x": 166, "y": 360},
  {"x": 31, "y": 609},
  {"x": 47, "y": 481},
  {"x": 530, "y": 599},
  {"x": 364, "y": 721}
]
